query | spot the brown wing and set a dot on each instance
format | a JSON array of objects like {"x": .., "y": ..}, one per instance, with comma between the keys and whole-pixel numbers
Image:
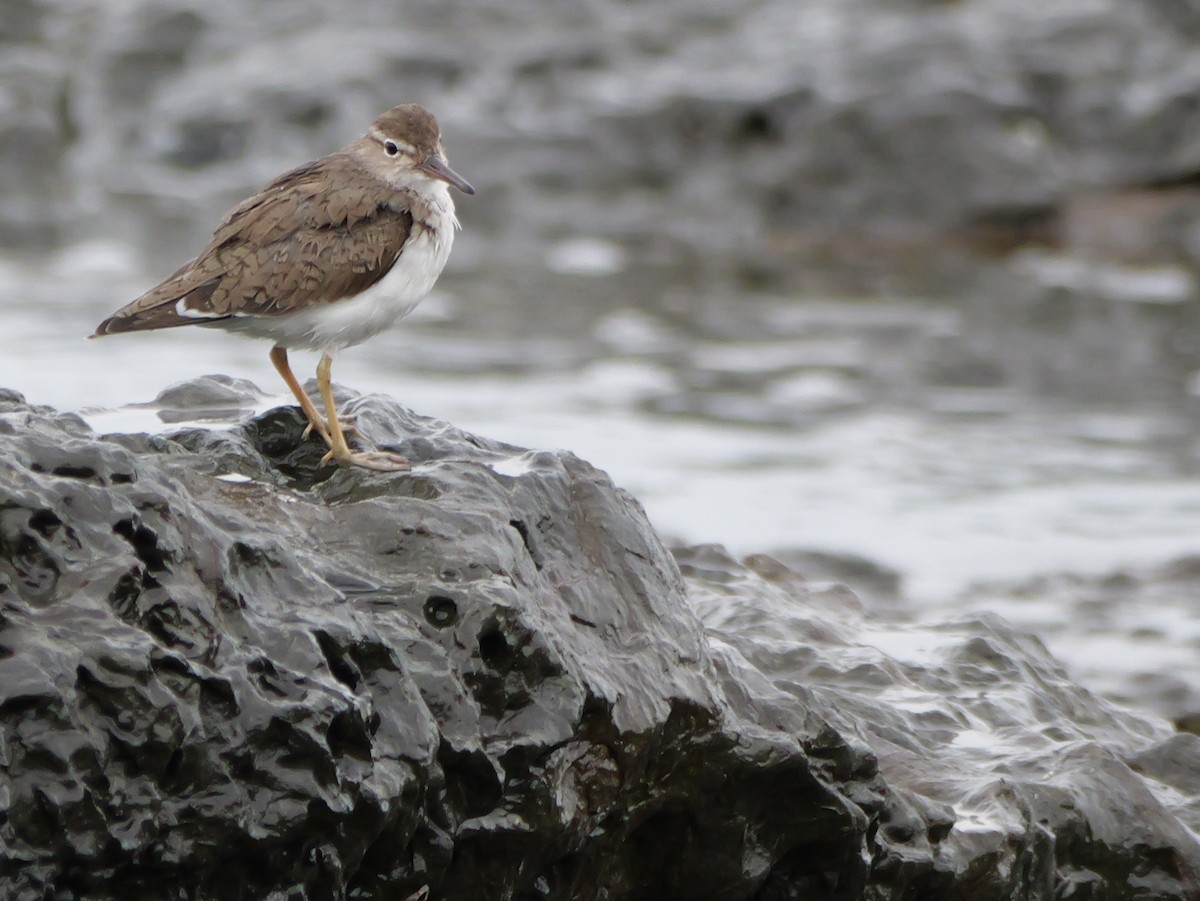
[{"x": 294, "y": 244}]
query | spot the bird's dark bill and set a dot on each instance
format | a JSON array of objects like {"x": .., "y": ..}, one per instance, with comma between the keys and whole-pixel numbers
[{"x": 435, "y": 167}]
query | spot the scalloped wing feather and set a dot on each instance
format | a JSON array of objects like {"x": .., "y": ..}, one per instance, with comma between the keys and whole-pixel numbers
[{"x": 296, "y": 243}]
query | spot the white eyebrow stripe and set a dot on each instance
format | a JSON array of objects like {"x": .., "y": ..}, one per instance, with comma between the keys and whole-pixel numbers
[{"x": 382, "y": 139}]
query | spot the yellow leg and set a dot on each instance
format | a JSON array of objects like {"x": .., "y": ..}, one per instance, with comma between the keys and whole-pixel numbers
[
  {"x": 316, "y": 422},
  {"x": 339, "y": 450},
  {"x": 279, "y": 358}
]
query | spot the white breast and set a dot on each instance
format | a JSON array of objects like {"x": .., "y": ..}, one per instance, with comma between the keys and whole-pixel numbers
[{"x": 329, "y": 327}]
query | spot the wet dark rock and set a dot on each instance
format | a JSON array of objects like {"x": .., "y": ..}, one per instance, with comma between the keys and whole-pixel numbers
[
  {"x": 1149, "y": 611},
  {"x": 210, "y": 398},
  {"x": 872, "y": 581},
  {"x": 228, "y": 673}
]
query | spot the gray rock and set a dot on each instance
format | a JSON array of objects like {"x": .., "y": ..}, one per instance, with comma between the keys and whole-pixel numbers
[
  {"x": 227, "y": 673},
  {"x": 985, "y": 747},
  {"x": 1150, "y": 611}
]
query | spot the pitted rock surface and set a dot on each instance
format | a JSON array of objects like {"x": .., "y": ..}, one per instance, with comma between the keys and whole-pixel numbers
[{"x": 228, "y": 673}]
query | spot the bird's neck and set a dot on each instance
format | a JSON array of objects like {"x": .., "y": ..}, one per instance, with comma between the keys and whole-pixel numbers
[{"x": 430, "y": 203}]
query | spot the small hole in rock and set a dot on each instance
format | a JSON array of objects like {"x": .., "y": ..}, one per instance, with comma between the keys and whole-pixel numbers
[
  {"x": 145, "y": 544},
  {"x": 44, "y": 522},
  {"x": 75, "y": 472},
  {"x": 493, "y": 647},
  {"x": 441, "y": 611}
]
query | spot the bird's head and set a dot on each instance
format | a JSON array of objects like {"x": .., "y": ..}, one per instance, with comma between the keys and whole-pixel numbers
[{"x": 404, "y": 146}]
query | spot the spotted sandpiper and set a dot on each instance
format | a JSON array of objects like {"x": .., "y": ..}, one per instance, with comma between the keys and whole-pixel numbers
[{"x": 322, "y": 258}]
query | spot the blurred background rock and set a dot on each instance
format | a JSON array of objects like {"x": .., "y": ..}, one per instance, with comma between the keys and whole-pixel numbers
[
  {"x": 683, "y": 127},
  {"x": 913, "y": 281}
]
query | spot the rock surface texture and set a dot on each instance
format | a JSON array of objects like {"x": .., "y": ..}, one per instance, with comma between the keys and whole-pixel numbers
[{"x": 228, "y": 674}]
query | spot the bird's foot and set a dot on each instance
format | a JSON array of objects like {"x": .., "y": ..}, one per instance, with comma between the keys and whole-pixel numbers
[
  {"x": 381, "y": 461},
  {"x": 322, "y": 429}
]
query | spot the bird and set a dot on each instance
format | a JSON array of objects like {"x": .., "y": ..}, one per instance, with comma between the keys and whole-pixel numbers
[{"x": 324, "y": 257}]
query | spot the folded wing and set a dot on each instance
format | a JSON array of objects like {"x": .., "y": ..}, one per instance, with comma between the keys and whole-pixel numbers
[{"x": 294, "y": 244}]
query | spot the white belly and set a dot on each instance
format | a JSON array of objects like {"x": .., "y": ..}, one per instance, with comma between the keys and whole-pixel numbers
[{"x": 329, "y": 327}]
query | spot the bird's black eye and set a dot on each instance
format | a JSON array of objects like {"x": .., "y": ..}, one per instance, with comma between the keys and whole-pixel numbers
[{"x": 390, "y": 148}]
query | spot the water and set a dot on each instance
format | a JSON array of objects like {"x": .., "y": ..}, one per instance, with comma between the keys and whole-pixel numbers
[{"x": 946, "y": 439}]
